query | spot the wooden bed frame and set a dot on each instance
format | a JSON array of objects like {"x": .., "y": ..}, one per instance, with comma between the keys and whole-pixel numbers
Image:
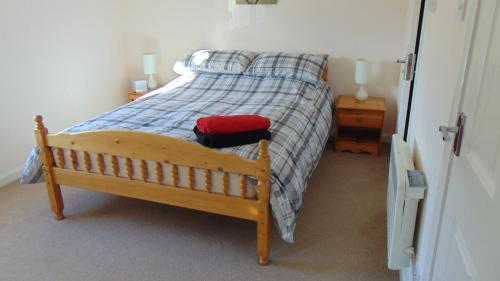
[{"x": 159, "y": 149}]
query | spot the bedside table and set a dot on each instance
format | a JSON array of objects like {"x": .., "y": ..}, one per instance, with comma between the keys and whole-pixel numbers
[
  {"x": 359, "y": 124},
  {"x": 132, "y": 96}
]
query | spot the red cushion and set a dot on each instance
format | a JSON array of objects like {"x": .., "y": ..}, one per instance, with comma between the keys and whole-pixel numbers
[{"x": 232, "y": 124}]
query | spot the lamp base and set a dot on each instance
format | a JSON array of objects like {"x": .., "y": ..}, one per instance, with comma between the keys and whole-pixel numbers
[
  {"x": 361, "y": 95},
  {"x": 152, "y": 82}
]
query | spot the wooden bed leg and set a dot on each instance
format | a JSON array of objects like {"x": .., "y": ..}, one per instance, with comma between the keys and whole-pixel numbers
[
  {"x": 55, "y": 196},
  {"x": 53, "y": 190},
  {"x": 263, "y": 221},
  {"x": 263, "y": 237}
]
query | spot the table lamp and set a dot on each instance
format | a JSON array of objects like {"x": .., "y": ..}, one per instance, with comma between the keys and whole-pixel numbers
[
  {"x": 149, "y": 64},
  {"x": 362, "y": 77}
]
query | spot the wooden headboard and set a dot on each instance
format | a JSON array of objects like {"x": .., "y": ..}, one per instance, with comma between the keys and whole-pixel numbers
[{"x": 325, "y": 73}]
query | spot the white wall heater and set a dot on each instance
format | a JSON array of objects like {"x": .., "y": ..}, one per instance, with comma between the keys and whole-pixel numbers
[{"x": 406, "y": 187}]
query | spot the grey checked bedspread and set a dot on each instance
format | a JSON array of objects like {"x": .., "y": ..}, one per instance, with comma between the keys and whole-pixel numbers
[{"x": 300, "y": 113}]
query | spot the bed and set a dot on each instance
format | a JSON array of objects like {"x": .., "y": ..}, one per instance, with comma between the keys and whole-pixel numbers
[{"x": 146, "y": 149}]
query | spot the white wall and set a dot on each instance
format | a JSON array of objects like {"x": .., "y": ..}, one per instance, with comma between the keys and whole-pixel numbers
[
  {"x": 345, "y": 29},
  {"x": 63, "y": 59},
  {"x": 68, "y": 59}
]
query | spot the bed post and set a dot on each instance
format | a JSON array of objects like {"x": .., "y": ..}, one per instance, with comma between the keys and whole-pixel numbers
[
  {"x": 53, "y": 190},
  {"x": 263, "y": 221}
]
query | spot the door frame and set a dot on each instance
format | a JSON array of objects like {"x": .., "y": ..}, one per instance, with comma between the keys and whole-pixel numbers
[
  {"x": 416, "y": 52},
  {"x": 438, "y": 203}
]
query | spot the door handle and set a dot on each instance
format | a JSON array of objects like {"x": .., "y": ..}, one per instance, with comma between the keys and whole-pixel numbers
[
  {"x": 409, "y": 67},
  {"x": 457, "y": 130},
  {"x": 445, "y": 131}
]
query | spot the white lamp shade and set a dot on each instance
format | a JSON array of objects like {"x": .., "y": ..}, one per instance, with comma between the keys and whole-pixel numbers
[
  {"x": 149, "y": 63},
  {"x": 363, "y": 71}
]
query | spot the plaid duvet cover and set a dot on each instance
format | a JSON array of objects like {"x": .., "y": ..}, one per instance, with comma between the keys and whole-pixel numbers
[{"x": 300, "y": 113}]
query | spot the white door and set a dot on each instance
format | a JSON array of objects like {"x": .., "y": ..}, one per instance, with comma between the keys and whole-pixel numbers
[
  {"x": 468, "y": 245},
  {"x": 407, "y": 64}
]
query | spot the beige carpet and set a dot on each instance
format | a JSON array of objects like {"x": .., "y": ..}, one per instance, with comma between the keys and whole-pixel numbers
[{"x": 340, "y": 234}]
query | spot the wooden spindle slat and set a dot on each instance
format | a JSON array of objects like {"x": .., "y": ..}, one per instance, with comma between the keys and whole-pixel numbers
[
  {"x": 175, "y": 175},
  {"x": 88, "y": 163},
  {"x": 74, "y": 160},
  {"x": 100, "y": 162},
  {"x": 116, "y": 167},
  {"x": 225, "y": 181},
  {"x": 208, "y": 181},
  {"x": 191, "y": 178},
  {"x": 159, "y": 173},
  {"x": 60, "y": 157},
  {"x": 130, "y": 168},
  {"x": 144, "y": 170},
  {"x": 243, "y": 186}
]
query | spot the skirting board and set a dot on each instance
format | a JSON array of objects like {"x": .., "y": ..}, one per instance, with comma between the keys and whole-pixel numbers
[{"x": 10, "y": 176}]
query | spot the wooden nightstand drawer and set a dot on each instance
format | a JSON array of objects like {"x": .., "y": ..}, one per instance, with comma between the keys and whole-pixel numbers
[
  {"x": 357, "y": 146},
  {"x": 360, "y": 118}
]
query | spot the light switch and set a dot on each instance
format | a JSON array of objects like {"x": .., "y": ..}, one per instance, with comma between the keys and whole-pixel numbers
[{"x": 461, "y": 9}]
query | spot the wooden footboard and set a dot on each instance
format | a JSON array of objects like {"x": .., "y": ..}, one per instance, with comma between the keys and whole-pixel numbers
[{"x": 159, "y": 149}]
